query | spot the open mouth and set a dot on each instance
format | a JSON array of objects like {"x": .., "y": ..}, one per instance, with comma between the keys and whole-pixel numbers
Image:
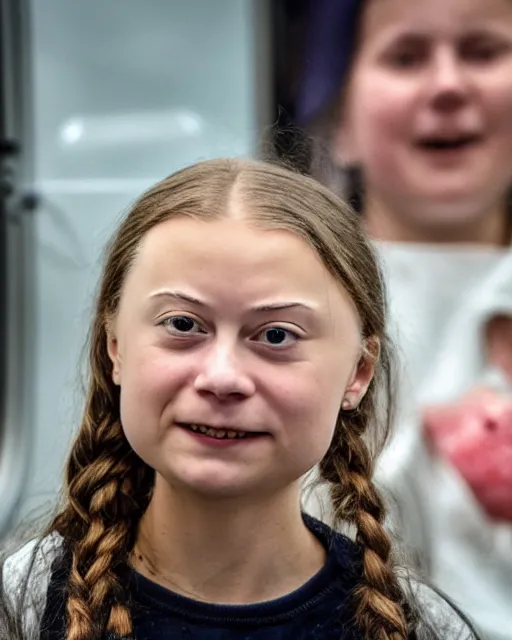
[
  {"x": 448, "y": 144},
  {"x": 219, "y": 433}
]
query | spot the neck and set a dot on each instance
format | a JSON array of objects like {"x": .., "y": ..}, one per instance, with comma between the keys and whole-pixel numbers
[
  {"x": 387, "y": 223},
  {"x": 226, "y": 552}
]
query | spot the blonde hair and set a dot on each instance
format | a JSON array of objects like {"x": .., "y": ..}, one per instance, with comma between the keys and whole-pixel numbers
[{"x": 108, "y": 487}]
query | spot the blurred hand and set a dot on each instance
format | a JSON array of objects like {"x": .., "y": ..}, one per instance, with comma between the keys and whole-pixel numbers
[{"x": 475, "y": 435}]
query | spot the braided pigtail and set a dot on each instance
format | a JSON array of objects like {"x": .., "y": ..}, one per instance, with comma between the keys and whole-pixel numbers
[
  {"x": 101, "y": 500},
  {"x": 108, "y": 490},
  {"x": 348, "y": 468}
]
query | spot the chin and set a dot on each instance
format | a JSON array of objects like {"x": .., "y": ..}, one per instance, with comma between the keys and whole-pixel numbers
[
  {"x": 212, "y": 485},
  {"x": 226, "y": 484},
  {"x": 450, "y": 205}
]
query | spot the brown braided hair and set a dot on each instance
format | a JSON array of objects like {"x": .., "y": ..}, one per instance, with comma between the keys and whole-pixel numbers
[
  {"x": 379, "y": 601},
  {"x": 108, "y": 487}
]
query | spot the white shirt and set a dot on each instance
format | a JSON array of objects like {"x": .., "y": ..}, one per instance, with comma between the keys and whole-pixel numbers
[{"x": 440, "y": 300}]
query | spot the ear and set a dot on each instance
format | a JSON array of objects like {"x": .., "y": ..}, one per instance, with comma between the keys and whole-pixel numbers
[
  {"x": 343, "y": 146},
  {"x": 362, "y": 375},
  {"x": 113, "y": 353}
]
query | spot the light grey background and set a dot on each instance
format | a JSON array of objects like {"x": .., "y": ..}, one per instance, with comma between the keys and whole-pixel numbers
[{"x": 125, "y": 92}]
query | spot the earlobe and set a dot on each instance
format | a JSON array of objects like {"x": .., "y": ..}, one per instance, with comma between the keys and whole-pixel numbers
[{"x": 116, "y": 376}]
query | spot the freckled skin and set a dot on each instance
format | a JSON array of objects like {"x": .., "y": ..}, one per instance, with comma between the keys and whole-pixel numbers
[{"x": 219, "y": 367}]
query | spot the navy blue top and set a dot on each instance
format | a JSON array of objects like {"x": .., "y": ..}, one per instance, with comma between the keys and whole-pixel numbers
[{"x": 319, "y": 610}]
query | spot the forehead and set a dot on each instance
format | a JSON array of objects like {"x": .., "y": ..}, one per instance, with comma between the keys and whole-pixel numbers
[
  {"x": 232, "y": 262},
  {"x": 448, "y": 16}
]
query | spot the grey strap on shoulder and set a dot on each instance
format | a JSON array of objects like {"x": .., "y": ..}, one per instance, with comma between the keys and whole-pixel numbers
[{"x": 26, "y": 577}]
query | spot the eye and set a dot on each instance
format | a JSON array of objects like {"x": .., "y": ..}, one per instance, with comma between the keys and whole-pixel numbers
[
  {"x": 278, "y": 337},
  {"x": 484, "y": 49},
  {"x": 182, "y": 325},
  {"x": 405, "y": 59},
  {"x": 408, "y": 52}
]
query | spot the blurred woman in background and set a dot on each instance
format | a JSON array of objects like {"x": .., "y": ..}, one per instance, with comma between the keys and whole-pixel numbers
[{"x": 409, "y": 108}]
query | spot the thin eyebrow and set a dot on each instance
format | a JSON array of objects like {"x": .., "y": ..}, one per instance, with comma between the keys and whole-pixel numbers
[
  {"x": 413, "y": 34},
  {"x": 279, "y": 306},
  {"x": 178, "y": 295},
  {"x": 276, "y": 306}
]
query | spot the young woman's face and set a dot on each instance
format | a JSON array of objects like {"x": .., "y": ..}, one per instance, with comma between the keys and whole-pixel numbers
[
  {"x": 233, "y": 348},
  {"x": 428, "y": 109}
]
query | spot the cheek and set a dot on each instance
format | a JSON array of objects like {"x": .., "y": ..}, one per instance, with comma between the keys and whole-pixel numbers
[
  {"x": 150, "y": 379},
  {"x": 379, "y": 118},
  {"x": 147, "y": 376},
  {"x": 495, "y": 92},
  {"x": 311, "y": 401},
  {"x": 499, "y": 110}
]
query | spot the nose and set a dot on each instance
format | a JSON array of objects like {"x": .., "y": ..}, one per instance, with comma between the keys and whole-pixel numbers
[
  {"x": 448, "y": 86},
  {"x": 222, "y": 374}
]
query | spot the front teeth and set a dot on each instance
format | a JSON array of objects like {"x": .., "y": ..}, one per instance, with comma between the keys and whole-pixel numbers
[{"x": 216, "y": 433}]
